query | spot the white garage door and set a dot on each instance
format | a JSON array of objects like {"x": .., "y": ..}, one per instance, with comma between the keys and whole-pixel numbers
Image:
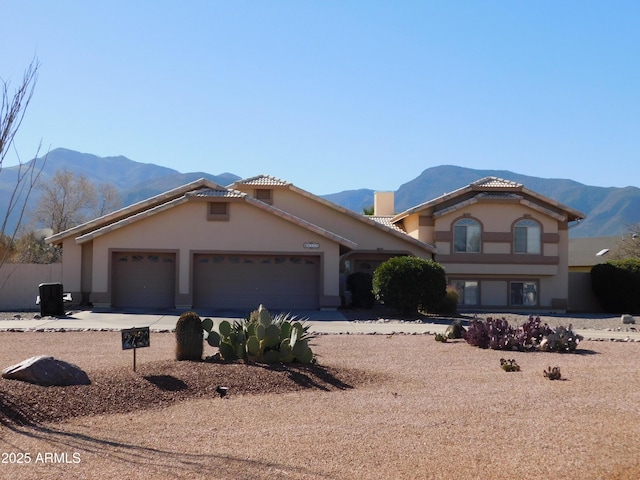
[
  {"x": 143, "y": 280},
  {"x": 283, "y": 282}
]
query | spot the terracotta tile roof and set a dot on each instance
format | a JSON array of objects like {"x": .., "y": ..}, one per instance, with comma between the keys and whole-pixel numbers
[
  {"x": 262, "y": 180},
  {"x": 215, "y": 192},
  {"x": 492, "y": 186},
  {"x": 386, "y": 221},
  {"x": 495, "y": 182}
]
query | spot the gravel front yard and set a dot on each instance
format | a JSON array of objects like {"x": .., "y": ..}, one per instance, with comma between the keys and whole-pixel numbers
[{"x": 375, "y": 407}]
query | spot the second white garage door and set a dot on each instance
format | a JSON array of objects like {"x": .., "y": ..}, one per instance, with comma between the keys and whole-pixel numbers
[{"x": 283, "y": 282}]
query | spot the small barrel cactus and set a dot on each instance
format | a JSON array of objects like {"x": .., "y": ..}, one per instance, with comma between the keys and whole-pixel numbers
[{"x": 189, "y": 337}]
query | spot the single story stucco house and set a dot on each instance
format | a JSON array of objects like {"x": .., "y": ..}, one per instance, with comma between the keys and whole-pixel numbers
[{"x": 265, "y": 241}]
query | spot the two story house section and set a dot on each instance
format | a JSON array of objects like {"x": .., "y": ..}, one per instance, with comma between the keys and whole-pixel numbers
[{"x": 502, "y": 246}]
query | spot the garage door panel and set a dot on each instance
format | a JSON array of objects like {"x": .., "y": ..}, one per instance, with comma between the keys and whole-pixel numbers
[
  {"x": 246, "y": 281},
  {"x": 143, "y": 280}
]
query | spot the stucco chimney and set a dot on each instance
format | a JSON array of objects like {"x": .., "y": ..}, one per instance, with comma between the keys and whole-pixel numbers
[{"x": 383, "y": 203}]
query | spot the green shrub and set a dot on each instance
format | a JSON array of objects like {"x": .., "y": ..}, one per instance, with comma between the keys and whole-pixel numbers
[
  {"x": 189, "y": 337},
  {"x": 410, "y": 284},
  {"x": 616, "y": 285}
]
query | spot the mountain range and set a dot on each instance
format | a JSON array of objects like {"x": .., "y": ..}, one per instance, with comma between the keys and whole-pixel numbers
[{"x": 609, "y": 211}]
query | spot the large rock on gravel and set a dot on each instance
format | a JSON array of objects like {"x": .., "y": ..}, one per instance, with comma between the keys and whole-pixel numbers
[
  {"x": 628, "y": 319},
  {"x": 47, "y": 371}
]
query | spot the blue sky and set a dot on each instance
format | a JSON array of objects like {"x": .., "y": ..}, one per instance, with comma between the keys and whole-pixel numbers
[{"x": 335, "y": 95}]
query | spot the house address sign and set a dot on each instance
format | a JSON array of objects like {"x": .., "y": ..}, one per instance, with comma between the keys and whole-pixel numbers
[{"x": 312, "y": 245}]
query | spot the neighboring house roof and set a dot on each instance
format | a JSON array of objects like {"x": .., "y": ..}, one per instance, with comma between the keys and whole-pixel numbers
[
  {"x": 494, "y": 187},
  {"x": 261, "y": 180},
  {"x": 379, "y": 222},
  {"x": 167, "y": 200},
  {"x": 587, "y": 252}
]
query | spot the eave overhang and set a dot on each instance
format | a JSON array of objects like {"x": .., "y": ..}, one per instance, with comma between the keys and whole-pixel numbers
[
  {"x": 130, "y": 210},
  {"x": 490, "y": 185},
  {"x": 211, "y": 194}
]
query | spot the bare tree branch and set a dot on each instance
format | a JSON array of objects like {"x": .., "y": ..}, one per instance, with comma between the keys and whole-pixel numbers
[
  {"x": 629, "y": 244},
  {"x": 12, "y": 110},
  {"x": 14, "y": 107}
]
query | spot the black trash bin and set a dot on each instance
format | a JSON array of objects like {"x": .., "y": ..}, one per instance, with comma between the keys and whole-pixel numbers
[{"x": 51, "y": 300}]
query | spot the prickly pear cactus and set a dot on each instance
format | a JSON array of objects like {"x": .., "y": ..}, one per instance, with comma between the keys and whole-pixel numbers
[{"x": 262, "y": 338}]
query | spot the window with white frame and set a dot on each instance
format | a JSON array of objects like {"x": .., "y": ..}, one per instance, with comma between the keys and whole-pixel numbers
[
  {"x": 467, "y": 291},
  {"x": 466, "y": 236},
  {"x": 524, "y": 294},
  {"x": 526, "y": 237}
]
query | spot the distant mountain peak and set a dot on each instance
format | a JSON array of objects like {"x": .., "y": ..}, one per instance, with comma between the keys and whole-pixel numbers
[{"x": 610, "y": 211}]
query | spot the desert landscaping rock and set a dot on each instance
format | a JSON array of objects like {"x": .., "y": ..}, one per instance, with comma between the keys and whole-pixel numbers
[
  {"x": 628, "y": 319},
  {"x": 46, "y": 371}
]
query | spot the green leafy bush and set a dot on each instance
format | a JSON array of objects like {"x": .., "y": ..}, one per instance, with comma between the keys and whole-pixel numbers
[
  {"x": 616, "y": 285},
  {"x": 262, "y": 338},
  {"x": 410, "y": 284}
]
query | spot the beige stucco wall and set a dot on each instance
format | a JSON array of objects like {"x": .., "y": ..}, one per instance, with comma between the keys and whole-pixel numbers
[
  {"x": 494, "y": 292},
  {"x": 19, "y": 284},
  {"x": 413, "y": 229},
  {"x": 383, "y": 203},
  {"x": 558, "y": 286},
  {"x": 368, "y": 237},
  {"x": 185, "y": 229},
  {"x": 498, "y": 218},
  {"x": 71, "y": 266}
]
